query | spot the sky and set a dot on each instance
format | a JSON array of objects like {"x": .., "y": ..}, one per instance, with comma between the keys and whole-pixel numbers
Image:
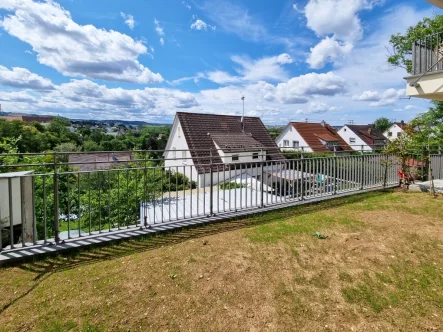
[{"x": 145, "y": 60}]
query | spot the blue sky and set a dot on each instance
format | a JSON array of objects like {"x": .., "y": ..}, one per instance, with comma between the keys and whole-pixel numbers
[{"x": 145, "y": 60}]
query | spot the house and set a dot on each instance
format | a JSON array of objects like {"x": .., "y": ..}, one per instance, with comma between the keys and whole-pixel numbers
[
  {"x": 394, "y": 130},
  {"x": 362, "y": 137},
  {"x": 222, "y": 145},
  {"x": 311, "y": 137},
  {"x": 93, "y": 161},
  {"x": 44, "y": 120}
]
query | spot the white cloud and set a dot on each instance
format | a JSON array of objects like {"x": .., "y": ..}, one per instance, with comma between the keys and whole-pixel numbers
[
  {"x": 297, "y": 89},
  {"x": 187, "y": 5},
  {"x": 129, "y": 20},
  {"x": 317, "y": 108},
  {"x": 339, "y": 23},
  {"x": 328, "y": 50},
  {"x": 201, "y": 25},
  {"x": 377, "y": 99},
  {"x": 295, "y": 7},
  {"x": 17, "y": 97},
  {"x": 162, "y": 41},
  {"x": 73, "y": 49},
  {"x": 267, "y": 68},
  {"x": 158, "y": 28},
  {"x": 22, "y": 78}
]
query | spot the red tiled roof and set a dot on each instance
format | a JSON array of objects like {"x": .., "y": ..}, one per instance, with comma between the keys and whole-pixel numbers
[
  {"x": 313, "y": 132},
  {"x": 197, "y": 126},
  {"x": 367, "y": 133}
]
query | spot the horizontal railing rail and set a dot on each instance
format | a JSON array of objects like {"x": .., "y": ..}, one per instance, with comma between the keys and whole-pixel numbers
[{"x": 48, "y": 203}]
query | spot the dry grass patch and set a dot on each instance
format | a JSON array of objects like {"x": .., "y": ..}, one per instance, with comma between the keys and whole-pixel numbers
[{"x": 380, "y": 268}]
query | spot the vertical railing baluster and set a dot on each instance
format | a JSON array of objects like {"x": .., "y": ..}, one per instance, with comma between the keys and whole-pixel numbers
[{"x": 11, "y": 214}]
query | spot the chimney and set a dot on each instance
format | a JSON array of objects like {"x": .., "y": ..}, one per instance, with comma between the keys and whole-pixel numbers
[
  {"x": 369, "y": 131},
  {"x": 323, "y": 123},
  {"x": 402, "y": 122}
]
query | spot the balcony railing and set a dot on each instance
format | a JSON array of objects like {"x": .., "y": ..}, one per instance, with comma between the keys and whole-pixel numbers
[{"x": 427, "y": 54}]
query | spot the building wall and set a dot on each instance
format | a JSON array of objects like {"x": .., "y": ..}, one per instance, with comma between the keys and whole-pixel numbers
[
  {"x": 395, "y": 130},
  {"x": 291, "y": 134},
  {"x": 347, "y": 134},
  {"x": 175, "y": 158}
]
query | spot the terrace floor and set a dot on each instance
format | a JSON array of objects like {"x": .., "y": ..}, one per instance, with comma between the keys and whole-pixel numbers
[{"x": 381, "y": 268}]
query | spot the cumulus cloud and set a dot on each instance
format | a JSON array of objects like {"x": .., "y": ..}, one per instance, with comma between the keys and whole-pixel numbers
[
  {"x": 17, "y": 97},
  {"x": 201, "y": 25},
  {"x": 129, "y": 20},
  {"x": 73, "y": 49},
  {"x": 377, "y": 99},
  {"x": 297, "y": 89},
  {"x": 249, "y": 70},
  {"x": 162, "y": 41},
  {"x": 339, "y": 23},
  {"x": 317, "y": 108},
  {"x": 22, "y": 78}
]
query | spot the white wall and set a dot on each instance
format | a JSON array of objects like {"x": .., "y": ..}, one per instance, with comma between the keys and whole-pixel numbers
[
  {"x": 178, "y": 142},
  {"x": 291, "y": 134},
  {"x": 347, "y": 134},
  {"x": 395, "y": 130}
]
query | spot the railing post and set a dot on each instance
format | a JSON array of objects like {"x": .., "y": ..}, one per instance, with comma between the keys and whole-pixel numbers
[
  {"x": 335, "y": 171},
  {"x": 211, "y": 184},
  {"x": 56, "y": 206},
  {"x": 302, "y": 184},
  {"x": 362, "y": 168},
  {"x": 262, "y": 179}
]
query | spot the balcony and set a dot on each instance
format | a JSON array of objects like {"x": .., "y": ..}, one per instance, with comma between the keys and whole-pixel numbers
[{"x": 426, "y": 80}]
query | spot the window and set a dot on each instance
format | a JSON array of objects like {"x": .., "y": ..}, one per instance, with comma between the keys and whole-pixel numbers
[
  {"x": 352, "y": 140},
  {"x": 255, "y": 155},
  {"x": 295, "y": 144},
  {"x": 235, "y": 157},
  {"x": 285, "y": 142},
  {"x": 398, "y": 134},
  {"x": 390, "y": 134},
  {"x": 179, "y": 131}
]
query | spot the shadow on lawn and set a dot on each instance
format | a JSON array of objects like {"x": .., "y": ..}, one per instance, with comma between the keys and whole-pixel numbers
[{"x": 46, "y": 266}]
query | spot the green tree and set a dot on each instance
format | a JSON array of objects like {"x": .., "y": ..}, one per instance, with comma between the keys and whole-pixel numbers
[
  {"x": 402, "y": 43},
  {"x": 426, "y": 128},
  {"x": 382, "y": 124}
]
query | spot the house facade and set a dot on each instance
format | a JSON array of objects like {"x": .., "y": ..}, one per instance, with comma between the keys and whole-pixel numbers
[
  {"x": 394, "y": 131},
  {"x": 362, "y": 137},
  {"x": 224, "y": 146},
  {"x": 311, "y": 137}
]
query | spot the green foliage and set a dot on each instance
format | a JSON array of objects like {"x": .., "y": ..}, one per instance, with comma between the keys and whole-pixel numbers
[
  {"x": 428, "y": 127},
  {"x": 274, "y": 131},
  {"x": 402, "y": 43},
  {"x": 231, "y": 185},
  {"x": 295, "y": 154},
  {"x": 382, "y": 124}
]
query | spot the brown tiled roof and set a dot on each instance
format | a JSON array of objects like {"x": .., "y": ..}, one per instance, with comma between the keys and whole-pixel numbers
[
  {"x": 367, "y": 133},
  {"x": 93, "y": 161},
  {"x": 313, "y": 132},
  {"x": 235, "y": 142},
  {"x": 196, "y": 126}
]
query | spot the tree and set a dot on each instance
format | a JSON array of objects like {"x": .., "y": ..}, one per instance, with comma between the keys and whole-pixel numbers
[
  {"x": 427, "y": 127},
  {"x": 382, "y": 124},
  {"x": 402, "y": 43}
]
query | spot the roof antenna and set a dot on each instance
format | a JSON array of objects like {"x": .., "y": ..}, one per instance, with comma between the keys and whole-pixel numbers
[{"x": 242, "y": 118}]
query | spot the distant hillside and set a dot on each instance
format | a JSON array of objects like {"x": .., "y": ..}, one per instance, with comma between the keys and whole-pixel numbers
[{"x": 125, "y": 122}]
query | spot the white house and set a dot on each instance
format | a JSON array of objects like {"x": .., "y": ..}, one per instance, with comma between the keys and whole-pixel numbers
[
  {"x": 222, "y": 145},
  {"x": 310, "y": 137},
  {"x": 362, "y": 137},
  {"x": 394, "y": 131}
]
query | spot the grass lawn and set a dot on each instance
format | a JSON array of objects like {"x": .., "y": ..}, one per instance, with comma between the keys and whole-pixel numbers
[{"x": 381, "y": 268}]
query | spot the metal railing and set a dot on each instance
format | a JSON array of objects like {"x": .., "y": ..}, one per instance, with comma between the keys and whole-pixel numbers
[
  {"x": 55, "y": 201},
  {"x": 427, "y": 54}
]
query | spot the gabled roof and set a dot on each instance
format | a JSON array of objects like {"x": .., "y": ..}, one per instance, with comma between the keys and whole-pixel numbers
[
  {"x": 314, "y": 133},
  {"x": 236, "y": 142},
  {"x": 93, "y": 161},
  {"x": 197, "y": 126},
  {"x": 367, "y": 133},
  {"x": 400, "y": 124}
]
